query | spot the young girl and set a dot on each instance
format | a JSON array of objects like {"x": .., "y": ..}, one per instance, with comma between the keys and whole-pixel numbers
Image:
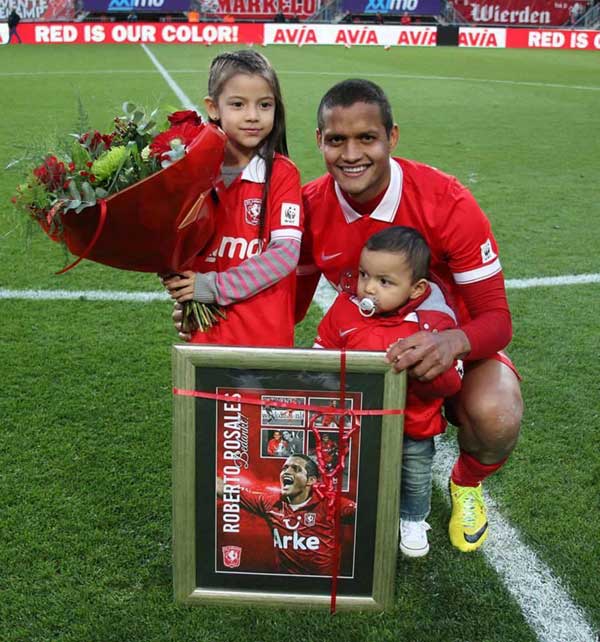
[{"x": 249, "y": 265}]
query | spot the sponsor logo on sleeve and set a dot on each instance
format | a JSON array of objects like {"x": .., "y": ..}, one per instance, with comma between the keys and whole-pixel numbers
[
  {"x": 487, "y": 252},
  {"x": 290, "y": 214}
]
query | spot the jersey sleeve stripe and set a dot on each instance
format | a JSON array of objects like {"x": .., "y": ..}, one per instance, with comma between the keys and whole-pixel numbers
[
  {"x": 287, "y": 233},
  {"x": 478, "y": 274}
]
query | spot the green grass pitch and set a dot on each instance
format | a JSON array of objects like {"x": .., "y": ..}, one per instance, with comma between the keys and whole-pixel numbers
[{"x": 85, "y": 407}]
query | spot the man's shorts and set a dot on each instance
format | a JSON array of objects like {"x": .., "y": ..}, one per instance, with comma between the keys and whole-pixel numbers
[{"x": 502, "y": 357}]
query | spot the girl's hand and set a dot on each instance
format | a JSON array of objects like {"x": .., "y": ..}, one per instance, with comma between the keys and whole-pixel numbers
[
  {"x": 180, "y": 325},
  {"x": 180, "y": 286}
]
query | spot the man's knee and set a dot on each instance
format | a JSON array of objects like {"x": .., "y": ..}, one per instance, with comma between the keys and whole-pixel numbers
[{"x": 490, "y": 416}]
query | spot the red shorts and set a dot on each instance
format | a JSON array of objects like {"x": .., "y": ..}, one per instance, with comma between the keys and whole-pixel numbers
[{"x": 502, "y": 357}]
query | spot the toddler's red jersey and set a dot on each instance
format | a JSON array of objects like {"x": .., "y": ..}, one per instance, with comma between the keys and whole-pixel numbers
[
  {"x": 463, "y": 249},
  {"x": 266, "y": 318},
  {"x": 344, "y": 327}
]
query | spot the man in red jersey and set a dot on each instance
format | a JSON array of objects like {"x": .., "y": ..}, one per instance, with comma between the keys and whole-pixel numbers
[
  {"x": 366, "y": 190},
  {"x": 278, "y": 446},
  {"x": 303, "y": 531}
]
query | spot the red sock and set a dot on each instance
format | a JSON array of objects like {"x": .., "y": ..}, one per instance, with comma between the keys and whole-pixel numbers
[{"x": 468, "y": 471}]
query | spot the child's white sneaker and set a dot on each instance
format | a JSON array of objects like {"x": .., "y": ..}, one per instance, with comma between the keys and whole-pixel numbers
[{"x": 413, "y": 538}]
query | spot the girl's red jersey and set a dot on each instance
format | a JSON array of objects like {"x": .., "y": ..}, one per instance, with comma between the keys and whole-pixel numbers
[{"x": 266, "y": 318}]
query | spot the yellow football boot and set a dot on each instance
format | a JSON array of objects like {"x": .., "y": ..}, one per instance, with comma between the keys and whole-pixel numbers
[{"x": 468, "y": 527}]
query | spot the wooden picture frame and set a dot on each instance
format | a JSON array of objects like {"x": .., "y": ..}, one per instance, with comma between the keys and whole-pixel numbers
[{"x": 223, "y": 553}]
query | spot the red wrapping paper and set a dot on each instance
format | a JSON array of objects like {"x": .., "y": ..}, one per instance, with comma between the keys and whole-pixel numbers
[{"x": 158, "y": 224}]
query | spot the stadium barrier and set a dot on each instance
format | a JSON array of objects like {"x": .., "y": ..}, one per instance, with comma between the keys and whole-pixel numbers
[{"x": 302, "y": 34}]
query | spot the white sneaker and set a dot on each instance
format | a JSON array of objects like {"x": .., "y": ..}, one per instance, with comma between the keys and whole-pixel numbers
[{"x": 413, "y": 538}]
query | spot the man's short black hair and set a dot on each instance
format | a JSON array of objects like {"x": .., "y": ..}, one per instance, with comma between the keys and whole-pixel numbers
[
  {"x": 357, "y": 90},
  {"x": 406, "y": 241},
  {"x": 312, "y": 470}
]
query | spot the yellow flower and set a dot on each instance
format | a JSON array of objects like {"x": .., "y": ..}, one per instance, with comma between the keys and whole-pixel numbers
[{"x": 107, "y": 165}]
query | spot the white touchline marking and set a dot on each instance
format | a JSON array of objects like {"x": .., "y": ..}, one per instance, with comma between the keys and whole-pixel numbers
[
  {"x": 83, "y": 295},
  {"x": 292, "y": 72},
  {"x": 325, "y": 294},
  {"x": 544, "y": 602},
  {"x": 181, "y": 95}
]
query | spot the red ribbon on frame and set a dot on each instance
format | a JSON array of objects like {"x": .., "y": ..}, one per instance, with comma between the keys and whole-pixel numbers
[{"x": 322, "y": 489}]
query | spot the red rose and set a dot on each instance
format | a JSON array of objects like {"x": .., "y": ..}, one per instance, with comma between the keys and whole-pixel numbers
[
  {"x": 186, "y": 116},
  {"x": 185, "y": 133}
]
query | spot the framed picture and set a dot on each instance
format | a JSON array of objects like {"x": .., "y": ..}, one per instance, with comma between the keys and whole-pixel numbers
[{"x": 251, "y": 520}]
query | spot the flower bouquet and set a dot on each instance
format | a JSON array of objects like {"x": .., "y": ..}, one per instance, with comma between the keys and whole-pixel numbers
[{"x": 139, "y": 198}]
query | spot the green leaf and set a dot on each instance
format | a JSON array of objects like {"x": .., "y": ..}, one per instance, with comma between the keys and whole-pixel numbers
[
  {"x": 74, "y": 192},
  {"x": 88, "y": 193},
  {"x": 79, "y": 155}
]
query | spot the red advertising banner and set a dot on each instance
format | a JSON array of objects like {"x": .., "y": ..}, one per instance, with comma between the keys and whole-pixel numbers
[
  {"x": 552, "y": 39},
  {"x": 517, "y": 12},
  {"x": 140, "y": 32}
]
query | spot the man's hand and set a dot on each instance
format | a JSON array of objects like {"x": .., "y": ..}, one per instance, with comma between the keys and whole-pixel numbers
[
  {"x": 425, "y": 355},
  {"x": 180, "y": 286},
  {"x": 180, "y": 325}
]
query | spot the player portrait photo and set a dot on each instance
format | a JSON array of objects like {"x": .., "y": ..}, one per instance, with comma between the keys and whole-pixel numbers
[
  {"x": 330, "y": 453},
  {"x": 330, "y": 421},
  {"x": 270, "y": 518},
  {"x": 279, "y": 415}
]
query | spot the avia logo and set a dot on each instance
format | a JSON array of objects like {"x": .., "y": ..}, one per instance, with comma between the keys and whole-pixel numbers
[
  {"x": 478, "y": 38},
  {"x": 298, "y": 36},
  {"x": 366, "y": 36},
  {"x": 236, "y": 246},
  {"x": 419, "y": 36},
  {"x": 296, "y": 542}
]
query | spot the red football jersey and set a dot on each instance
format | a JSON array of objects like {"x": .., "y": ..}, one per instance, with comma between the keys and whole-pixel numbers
[
  {"x": 303, "y": 538},
  {"x": 345, "y": 327},
  {"x": 463, "y": 249},
  {"x": 266, "y": 318}
]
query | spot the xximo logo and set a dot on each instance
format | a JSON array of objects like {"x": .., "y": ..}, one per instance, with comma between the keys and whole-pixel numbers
[
  {"x": 385, "y": 6},
  {"x": 128, "y": 5}
]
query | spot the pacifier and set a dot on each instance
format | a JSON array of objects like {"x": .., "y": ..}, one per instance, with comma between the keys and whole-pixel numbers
[{"x": 367, "y": 307}]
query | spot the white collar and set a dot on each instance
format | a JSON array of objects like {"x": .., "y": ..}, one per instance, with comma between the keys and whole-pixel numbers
[
  {"x": 386, "y": 210},
  {"x": 255, "y": 171}
]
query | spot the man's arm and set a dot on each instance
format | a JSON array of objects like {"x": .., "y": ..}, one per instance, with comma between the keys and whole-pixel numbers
[{"x": 426, "y": 355}]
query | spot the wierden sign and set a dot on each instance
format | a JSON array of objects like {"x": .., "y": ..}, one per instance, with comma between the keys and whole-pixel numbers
[{"x": 516, "y": 12}]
